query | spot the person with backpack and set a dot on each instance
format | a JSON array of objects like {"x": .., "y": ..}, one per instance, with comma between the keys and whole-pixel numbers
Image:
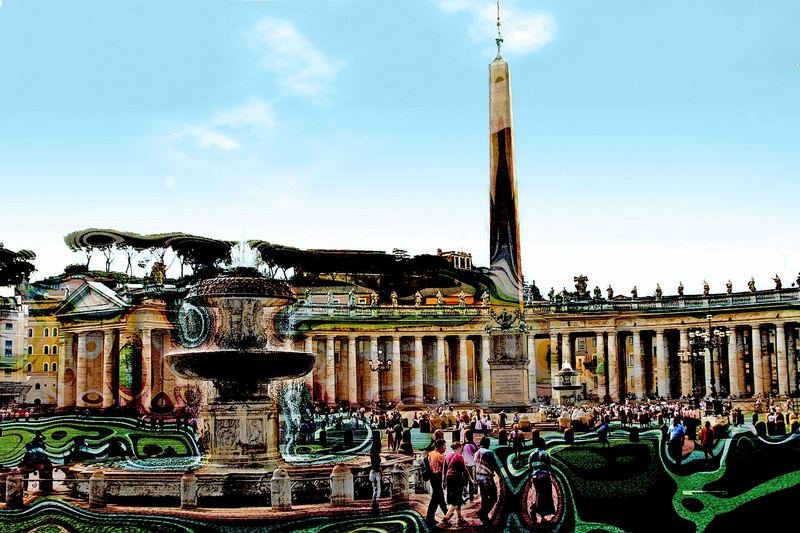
[
  {"x": 432, "y": 469},
  {"x": 485, "y": 468}
]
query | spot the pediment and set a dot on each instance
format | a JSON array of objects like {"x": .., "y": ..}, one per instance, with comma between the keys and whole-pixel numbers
[{"x": 92, "y": 298}]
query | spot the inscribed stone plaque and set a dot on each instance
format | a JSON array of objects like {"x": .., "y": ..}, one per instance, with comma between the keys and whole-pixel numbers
[{"x": 509, "y": 385}]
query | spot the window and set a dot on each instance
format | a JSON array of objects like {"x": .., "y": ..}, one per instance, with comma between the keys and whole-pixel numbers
[
  {"x": 55, "y": 332},
  {"x": 9, "y": 326},
  {"x": 54, "y": 367},
  {"x": 54, "y": 351},
  {"x": 30, "y": 332},
  {"x": 30, "y": 350},
  {"x": 30, "y": 367},
  {"x": 9, "y": 348},
  {"x": 37, "y": 386},
  {"x": 46, "y": 332},
  {"x": 7, "y": 373},
  {"x": 46, "y": 367},
  {"x": 46, "y": 349}
]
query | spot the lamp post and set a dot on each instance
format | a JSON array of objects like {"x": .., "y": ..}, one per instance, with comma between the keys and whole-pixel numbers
[
  {"x": 700, "y": 340},
  {"x": 381, "y": 365}
]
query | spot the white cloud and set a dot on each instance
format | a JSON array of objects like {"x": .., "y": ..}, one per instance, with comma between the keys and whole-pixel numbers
[
  {"x": 523, "y": 31},
  {"x": 228, "y": 130},
  {"x": 170, "y": 182},
  {"x": 299, "y": 66}
]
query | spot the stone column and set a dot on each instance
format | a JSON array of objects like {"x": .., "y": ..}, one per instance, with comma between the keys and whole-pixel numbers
[
  {"x": 441, "y": 379},
  {"x": 555, "y": 365},
  {"x": 308, "y": 346},
  {"x": 397, "y": 371},
  {"x": 461, "y": 389},
  {"x": 352, "y": 370},
  {"x": 330, "y": 370},
  {"x": 64, "y": 342},
  {"x": 109, "y": 393},
  {"x": 80, "y": 371},
  {"x": 600, "y": 359},
  {"x": 733, "y": 365},
  {"x": 708, "y": 371},
  {"x": 486, "y": 373},
  {"x": 374, "y": 383},
  {"x": 662, "y": 389},
  {"x": 637, "y": 376},
  {"x": 791, "y": 363},
  {"x": 532, "y": 390},
  {"x": 419, "y": 379},
  {"x": 758, "y": 363},
  {"x": 686, "y": 368},
  {"x": 147, "y": 369},
  {"x": 780, "y": 350},
  {"x": 566, "y": 350},
  {"x": 613, "y": 363},
  {"x": 740, "y": 351}
]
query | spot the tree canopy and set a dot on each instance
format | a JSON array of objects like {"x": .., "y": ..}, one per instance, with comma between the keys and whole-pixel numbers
[{"x": 15, "y": 267}]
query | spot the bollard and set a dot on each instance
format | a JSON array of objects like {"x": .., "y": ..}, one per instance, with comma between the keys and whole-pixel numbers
[
  {"x": 14, "y": 491},
  {"x": 569, "y": 436},
  {"x": 633, "y": 436},
  {"x": 348, "y": 438},
  {"x": 189, "y": 490},
  {"x": 341, "y": 485},
  {"x": 399, "y": 483},
  {"x": 97, "y": 490},
  {"x": 281, "y": 490}
]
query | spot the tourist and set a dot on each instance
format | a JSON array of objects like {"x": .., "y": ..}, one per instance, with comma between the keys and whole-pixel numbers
[
  {"x": 707, "y": 440},
  {"x": 503, "y": 416},
  {"x": 676, "y": 438},
  {"x": 469, "y": 459},
  {"x": 517, "y": 438},
  {"x": 456, "y": 477},
  {"x": 435, "y": 461},
  {"x": 398, "y": 433},
  {"x": 602, "y": 433},
  {"x": 375, "y": 478},
  {"x": 485, "y": 467},
  {"x": 390, "y": 438},
  {"x": 539, "y": 462}
]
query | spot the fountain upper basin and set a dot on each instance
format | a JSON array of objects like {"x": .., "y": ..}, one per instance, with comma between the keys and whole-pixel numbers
[{"x": 246, "y": 366}]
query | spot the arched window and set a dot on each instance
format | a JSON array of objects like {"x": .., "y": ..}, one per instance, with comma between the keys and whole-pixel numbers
[
  {"x": 30, "y": 332},
  {"x": 54, "y": 367},
  {"x": 46, "y": 332},
  {"x": 37, "y": 386},
  {"x": 55, "y": 332},
  {"x": 46, "y": 367},
  {"x": 54, "y": 351},
  {"x": 46, "y": 349},
  {"x": 30, "y": 350},
  {"x": 30, "y": 367}
]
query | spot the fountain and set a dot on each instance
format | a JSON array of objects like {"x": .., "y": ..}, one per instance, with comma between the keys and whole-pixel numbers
[{"x": 227, "y": 327}]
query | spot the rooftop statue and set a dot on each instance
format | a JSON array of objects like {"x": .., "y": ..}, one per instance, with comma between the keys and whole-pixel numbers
[
  {"x": 394, "y": 299},
  {"x": 552, "y": 294},
  {"x": 439, "y": 298},
  {"x": 484, "y": 298},
  {"x": 597, "y": 293},
  {"x": 729, "y": 286},
  {"x": 417, "y": 299},
  {"x": 580, "y": 284},
  {"x": 778, "y": 283},
  {"x": 706, "y": 288},
  {"x": 680, "y": 288},
  {"x": 659, "y": 292},
  {"x": 634, "y": 292},
  {"x": 751, "y": 284},
  {"x": 610, "y": 292}
]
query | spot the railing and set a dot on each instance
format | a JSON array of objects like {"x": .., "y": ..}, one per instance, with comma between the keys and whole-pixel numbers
[{"x": 646, "y": 304}]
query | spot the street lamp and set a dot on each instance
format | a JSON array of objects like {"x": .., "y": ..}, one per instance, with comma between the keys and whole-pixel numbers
[
  {"x": 381, "y": 364},
  {"x": 700, "y": 340}
]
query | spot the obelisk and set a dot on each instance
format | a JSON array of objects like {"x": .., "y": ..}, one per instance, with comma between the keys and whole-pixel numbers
[
  {"x": 508, "y": 363},
  {"x": 506, "y": 268}
]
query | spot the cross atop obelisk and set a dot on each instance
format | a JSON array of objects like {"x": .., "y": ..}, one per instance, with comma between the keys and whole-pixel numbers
[{"x": 506, "y": 267}]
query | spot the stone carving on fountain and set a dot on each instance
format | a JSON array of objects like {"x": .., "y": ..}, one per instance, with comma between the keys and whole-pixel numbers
[{"x": 228, "y": 332}]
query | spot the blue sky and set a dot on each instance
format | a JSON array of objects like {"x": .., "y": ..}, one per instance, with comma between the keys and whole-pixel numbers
[{"x": 656, "y": 142}]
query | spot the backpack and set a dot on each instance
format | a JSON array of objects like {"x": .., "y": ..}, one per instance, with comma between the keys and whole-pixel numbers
[{"x": 425, "y": 472}]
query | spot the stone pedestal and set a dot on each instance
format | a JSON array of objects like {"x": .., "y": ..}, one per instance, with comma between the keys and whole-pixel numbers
[
  {"x": 97, "y": 490},
  {"x": 509, "y": 373},
  {"x": 243, "y": 434},
  {"x": 189, "y": 491},
  {"x": 341, "y": 485},
  {"x": 14, "y": 491},
  {"x": 281, "y": 490}
]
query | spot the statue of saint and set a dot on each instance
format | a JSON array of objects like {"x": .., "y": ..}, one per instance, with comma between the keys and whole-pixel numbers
[
  {"x": 374, "y": 298},
  {"x": 158, "y": 273},
  {"x": 462, "y": 298},
  {"x": 307, "y": 296},
  {"x": 659, "y": 292},
  {"x": 706, "y": 288},
  {"x": 680, "y": 288},
  {"x": 729, "y": 286},
  {"x": 552, "y": 294},
  {"x": 330, "y": 298},
  {"x": 394, "y": 299},
  {"x": 417, "y": 299},
  {"x": 777, "y": 280},
  {"x": 439, "y": 298},
  {"x": 351, "y": 298},
  {"x": 485, "y": 298},
  {"x": 610, "y": 293},
  {"x": 634, "y": 292},
  {"x": 751, "y": 284},
  {"x": 580, "y": 284},
  {"x": 597, "y": 293}
]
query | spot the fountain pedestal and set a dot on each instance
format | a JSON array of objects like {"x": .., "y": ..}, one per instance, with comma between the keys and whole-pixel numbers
[{"x": 243, "y": 434}]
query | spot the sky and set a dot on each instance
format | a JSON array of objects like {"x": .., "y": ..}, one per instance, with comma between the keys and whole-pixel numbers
[{"x": 656, "y": 142}]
